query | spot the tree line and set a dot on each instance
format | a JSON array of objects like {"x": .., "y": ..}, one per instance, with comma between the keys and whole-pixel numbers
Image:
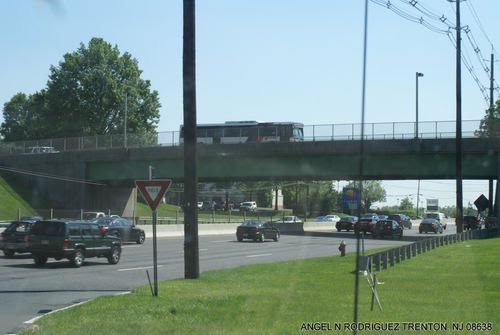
[{"x": 85, "y": 95}]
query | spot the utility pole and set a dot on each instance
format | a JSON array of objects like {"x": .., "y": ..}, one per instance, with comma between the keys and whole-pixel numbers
[
  {"x": 492, "y": 79},
  {"x": 459, "y": 216},
  {"x": 191, "y": 248}
]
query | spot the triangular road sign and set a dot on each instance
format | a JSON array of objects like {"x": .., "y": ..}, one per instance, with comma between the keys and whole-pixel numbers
[{"x": 153, "y": 190}]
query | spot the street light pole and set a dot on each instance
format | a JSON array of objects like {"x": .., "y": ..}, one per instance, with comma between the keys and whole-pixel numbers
[
  {"x": 417, "y": 74},
  {"x": 125, "y": 122}
]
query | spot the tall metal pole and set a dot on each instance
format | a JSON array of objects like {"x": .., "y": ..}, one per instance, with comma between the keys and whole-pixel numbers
[
  {"x": 125, "y": 122},
  {"x": 361, "y": 168},
  {"x": 418, "y": 196},
  {"x": 417, "y": 75},
  {"x": 191, "y": 248},
  {"x": 492, "y": 79},
  {"x": 459, "y": 218}
]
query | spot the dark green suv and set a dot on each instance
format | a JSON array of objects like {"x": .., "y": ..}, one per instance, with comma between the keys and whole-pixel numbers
[{"x": 74, "y": 240}]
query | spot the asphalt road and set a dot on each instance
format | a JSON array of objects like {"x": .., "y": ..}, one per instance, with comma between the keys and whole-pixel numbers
[{"x": 27, "y": 291}]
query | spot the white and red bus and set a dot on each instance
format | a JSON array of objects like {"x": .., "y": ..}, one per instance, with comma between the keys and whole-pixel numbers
[{"x": 232, "y": 132}]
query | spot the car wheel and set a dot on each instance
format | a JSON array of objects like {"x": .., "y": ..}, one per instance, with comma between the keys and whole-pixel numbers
[
  {"x": 40, "y": 260},
  {"x": 114, "y": 256},
  {"x": 141, "y": 238},
  {"x": 239, "y": 239},
  {"x": 78, "y": 258},
  {"x": 9, "y": 252},
  {"x": 276, "y": 237}
]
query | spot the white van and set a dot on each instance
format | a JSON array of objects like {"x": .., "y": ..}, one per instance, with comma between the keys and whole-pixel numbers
[
  {"x": 248, "y": 206},
  {"x": 41, "y": 150}
]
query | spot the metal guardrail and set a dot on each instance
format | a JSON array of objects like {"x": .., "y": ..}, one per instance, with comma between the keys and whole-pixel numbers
[
  {"x": 382, "y": 260},
  {"x": 319, "y": 132}
]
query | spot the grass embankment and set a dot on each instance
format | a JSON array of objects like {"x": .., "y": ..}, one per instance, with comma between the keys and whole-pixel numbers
[
  {"x": 457, "y": 283},
  {"x": 10, "y": 202}
]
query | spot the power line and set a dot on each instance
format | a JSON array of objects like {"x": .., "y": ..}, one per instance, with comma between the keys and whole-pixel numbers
[
  {"x": 49, "y": 176},
  {"x": 442, "y": 25}
]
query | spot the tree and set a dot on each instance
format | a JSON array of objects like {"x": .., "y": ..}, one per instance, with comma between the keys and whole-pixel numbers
[
  {"x": 372, "y": 192},
  {"x": 15, "y": 114},
  {"x": 85, "y": 95},
  {"x": 406, "y": 204},
  {"x": 313, "y": 197},
  {"x": 490, "y": 124}
]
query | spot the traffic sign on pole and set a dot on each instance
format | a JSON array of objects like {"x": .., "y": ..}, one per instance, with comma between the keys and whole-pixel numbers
[{"x": 153, "y": 190}]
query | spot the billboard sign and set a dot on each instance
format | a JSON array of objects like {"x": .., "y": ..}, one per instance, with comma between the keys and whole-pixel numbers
[
  {"x": 350, "y": 197},
  {"x": 432, "y": 204}
]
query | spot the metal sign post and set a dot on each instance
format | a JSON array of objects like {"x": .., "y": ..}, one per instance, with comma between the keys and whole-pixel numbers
[
  {"x": 153, "y": 191},
  {"x": 155, "y": 258}
]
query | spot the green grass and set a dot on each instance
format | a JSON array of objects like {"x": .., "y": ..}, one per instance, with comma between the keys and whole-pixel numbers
[
  {"x": 10, "y": 202},
  {"x": 456, "y": 283}
]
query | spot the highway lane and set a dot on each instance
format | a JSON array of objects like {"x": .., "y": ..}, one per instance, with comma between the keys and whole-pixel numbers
[{"x": 27, "y": 291}]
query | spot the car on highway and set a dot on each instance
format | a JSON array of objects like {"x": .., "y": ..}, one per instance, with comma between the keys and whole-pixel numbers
[
  {"x": 92, "y": 215},
  {"x": 366, "y": 223},
  {"x": 41, "y": 150},
  {"x": 437, "y": 216},
  {"x": 257, "y": 230},
  {"x": 346, "y": 223},
  {"x": 15, "y": 237},
  {"x": 332, "y": 218},
  {"x": 430, "y": 226},
  {"x": 288, "y": 219},
  {"x": 385, "y": 228},
  {"x": 402, "y": 219},
  {"x": 121, "y": 228},
  {"x": 248, "y": 206},
  {"x": 74, "y": 240},
  {"x": 327, "y": 218}
]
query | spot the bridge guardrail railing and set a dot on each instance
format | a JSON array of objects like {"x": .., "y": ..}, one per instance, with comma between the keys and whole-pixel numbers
[{"x": 319, "y": 132}]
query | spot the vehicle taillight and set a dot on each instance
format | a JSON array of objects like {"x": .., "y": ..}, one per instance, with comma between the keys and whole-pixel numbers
[
  {"x": 433, "y": 225},
  {"x": 104, "y": 229},
  {"x": 65, "y": 244}
]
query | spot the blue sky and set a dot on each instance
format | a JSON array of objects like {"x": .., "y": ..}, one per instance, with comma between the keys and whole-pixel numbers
[{"x": 262, "y": 60}]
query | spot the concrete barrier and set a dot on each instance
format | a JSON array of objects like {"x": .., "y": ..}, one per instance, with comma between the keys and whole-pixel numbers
[{"x": 166, "y": 230}]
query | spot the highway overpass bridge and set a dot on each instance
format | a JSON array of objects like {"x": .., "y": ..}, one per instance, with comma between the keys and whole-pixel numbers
[{"x": 109, "y": 174}]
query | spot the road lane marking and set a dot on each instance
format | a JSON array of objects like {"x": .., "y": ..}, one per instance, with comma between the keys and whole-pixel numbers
[
  {"x": 140, "y": 268},
  {"x": 260, "y": 255}
]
